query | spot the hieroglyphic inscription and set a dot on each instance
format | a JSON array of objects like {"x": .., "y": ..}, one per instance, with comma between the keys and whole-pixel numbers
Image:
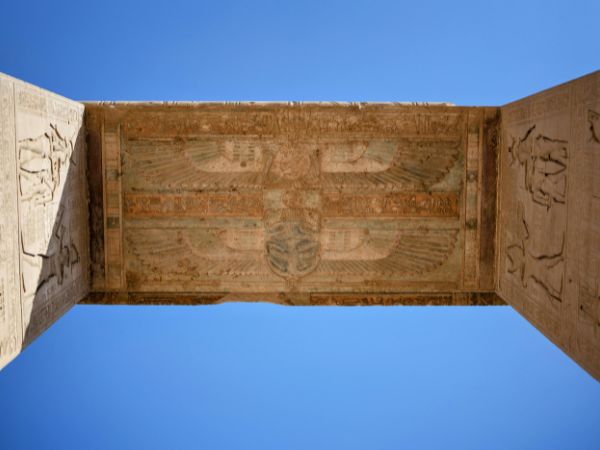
[
  {"x": 324, "y": 119},
  {"x": 52, "y": 206},
  {"x": 532, "y": 214},
  {"x": 11, "y": 324},
  {"x": 299, "y": 299},
  {"x": 251, "y": 162},
  {"x": 534, "y": 174},
  {"x": 42, "y": 162},
  {"x": 44, "y": 211},
  {"x": 113, "y": 221},
  {"x": 436, "y": 204},
  {"x": 547, "y": 270},
  {"x": 57, "y": 262},
  {"x": 193, "y": 204},
  {"x": 548, "y": 265},
  {"x": 279, "y": 198},
  {"x": 544, "y": 163},
  {"x": 583, "y": 259},
  {"x": 472, "y": 196}
]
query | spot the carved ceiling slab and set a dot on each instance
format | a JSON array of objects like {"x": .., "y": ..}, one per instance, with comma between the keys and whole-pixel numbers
[
  {"x": 298, "y": 199},
  {"x": 44, "y": 257}
]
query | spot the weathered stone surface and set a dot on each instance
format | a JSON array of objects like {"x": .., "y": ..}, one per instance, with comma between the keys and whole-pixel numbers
[
  {"x": 302, "y": 204},
  {"x": 44, "y": 257},
  {"x": 298, "y": 299},
  {"x": 291, "y": 199},
  {"x": 549, "y": 215}
]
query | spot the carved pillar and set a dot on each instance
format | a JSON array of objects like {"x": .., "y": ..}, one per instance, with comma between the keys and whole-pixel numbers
[
  {"x": 549, "y": 215},
  {"x": 43, "y": 200}
]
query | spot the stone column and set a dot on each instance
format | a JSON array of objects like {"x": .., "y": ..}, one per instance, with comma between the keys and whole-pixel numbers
[
  {"x": 44, "y": 262},
  {"x": 549, "y": 215}
]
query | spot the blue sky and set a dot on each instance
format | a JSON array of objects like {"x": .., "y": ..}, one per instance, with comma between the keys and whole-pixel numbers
[{"x": 261, "y": 376}]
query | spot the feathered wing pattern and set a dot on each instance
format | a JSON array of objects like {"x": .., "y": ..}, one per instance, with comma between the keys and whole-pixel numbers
[
  {"x": 388, "y": 252},
  {"x": 412, "y": 165},
  {"x": 196, "y": 164},
  {"x": 222, "y": 163},
  {"x": 199, "y": 251}
]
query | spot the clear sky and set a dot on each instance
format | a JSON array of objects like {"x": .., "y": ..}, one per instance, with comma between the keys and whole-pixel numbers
[{"x": 261, "y": 376}]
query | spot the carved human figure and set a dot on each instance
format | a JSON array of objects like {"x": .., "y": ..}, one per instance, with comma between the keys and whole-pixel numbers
[
  {"x": 64, "y": 255},
  {"x": 60, "y": 256},
  {"x": 40, "y": 162},
  {"x": 544, "y": 269},
  {"x": 545, "y": 163}
]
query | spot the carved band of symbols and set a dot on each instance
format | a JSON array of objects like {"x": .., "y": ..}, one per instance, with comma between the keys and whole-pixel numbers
[
  {"x": 435, "y": 204},
  {"x": 193, "y": 205},
  {"x": 291, "y": 249}
]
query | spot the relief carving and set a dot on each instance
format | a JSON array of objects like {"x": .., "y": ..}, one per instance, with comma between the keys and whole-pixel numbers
[
  {"x": 197, "y": 252},
  {"x": 292, "y": 248},
  {"x": 286, "y": 186},
  {"x": 289, "y": 164},
  {"x": 387, "y": 252},
  {"x": 589, "y": 306},
  {"x": 275, "y": 198},
  {"x": 544, "y": 161},
  {"x": 62, "y": 255},
  {"x": 198, "y": 163},
  {"x": 388, "y": 164},
  {"x": 239, "y": 161},
  {"x": 594, "y": 121},
  {"x": 438, "y": 204},
  {"x": 292, "y": 164},
  {"x": 544, "y": 269},
  {"x": 41, "y": 161},
  {"x": 289, "y": 119}
]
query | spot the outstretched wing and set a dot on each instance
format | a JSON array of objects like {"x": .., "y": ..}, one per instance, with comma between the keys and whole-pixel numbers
[
  {"x": 194, "y": 164},
  {"x": 388, "y": 164},
  {"x": 198, "y": 252},
  {"x": 398, "y": 252}
]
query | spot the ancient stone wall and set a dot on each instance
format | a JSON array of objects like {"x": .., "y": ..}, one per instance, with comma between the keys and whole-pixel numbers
[
  {"x": 44, "y": 257},
  {"x": 549, "y": 215}
]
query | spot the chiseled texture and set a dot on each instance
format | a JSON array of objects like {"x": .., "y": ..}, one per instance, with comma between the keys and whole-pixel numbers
[
  {"x": 302, "y": 204},
  {"x": 44, "y": 258},
  {"x": 296, "y": 203},
  {"x": 549, "y": 215}
]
